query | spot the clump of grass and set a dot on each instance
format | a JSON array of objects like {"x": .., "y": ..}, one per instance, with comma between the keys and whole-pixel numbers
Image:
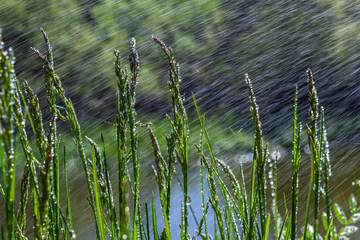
[
  {"x": 40, "y": 177},
  {"x": 239, "y": 213}
]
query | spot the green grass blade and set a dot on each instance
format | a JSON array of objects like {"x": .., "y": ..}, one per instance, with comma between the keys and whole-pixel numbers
[
  {"x": 147, "y": 221},
  {"x": 97, "y": 198},
  {"x": 202, "y": 183},
  {"x": 214, "y": 163},
  {"x": 267, "y": 228},
  {"x": 56, "y": 190},
  {"x": 68, "y": 205},
  {"x": 154, "y": 223},
  {"x": 296, "y": 164}
]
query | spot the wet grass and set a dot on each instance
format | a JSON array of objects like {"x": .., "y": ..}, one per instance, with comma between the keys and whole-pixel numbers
[{"x": 239, "y": 211}]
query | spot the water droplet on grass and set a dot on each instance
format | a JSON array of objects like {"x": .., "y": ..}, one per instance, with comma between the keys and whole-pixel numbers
[{"x": 276, "y": 155}]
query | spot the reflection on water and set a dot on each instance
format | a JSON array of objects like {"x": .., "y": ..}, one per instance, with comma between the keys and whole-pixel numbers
[{"x": 344, "y": 162}]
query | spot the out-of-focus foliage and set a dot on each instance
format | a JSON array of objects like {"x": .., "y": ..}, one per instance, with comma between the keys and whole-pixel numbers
[{"x": 216, "y": 42}]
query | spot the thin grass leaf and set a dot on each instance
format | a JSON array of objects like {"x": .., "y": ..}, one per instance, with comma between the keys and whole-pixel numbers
[
  {"x": 267, "y": 228},
  {"x": 213, "y": 166},
  {"x": 147, "y": 221},
  {"x": 328, "y": 232},
  {"x": 325, "y": 221},
  {"x": 204, "y": 205},
  {"x": 68, "y": 205},
  {"x": 97, "y": 198},
  {"x": 282, "y": 226},
  {"x": 296, "y": 164},
  {"x": 154, "y": 219}
]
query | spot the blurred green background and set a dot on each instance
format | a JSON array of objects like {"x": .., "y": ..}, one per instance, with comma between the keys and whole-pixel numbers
[{"x": 216, "y": 43}]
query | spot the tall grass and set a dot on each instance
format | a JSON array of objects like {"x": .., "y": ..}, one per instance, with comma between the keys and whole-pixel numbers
[{"x": 239, "y": 213}]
